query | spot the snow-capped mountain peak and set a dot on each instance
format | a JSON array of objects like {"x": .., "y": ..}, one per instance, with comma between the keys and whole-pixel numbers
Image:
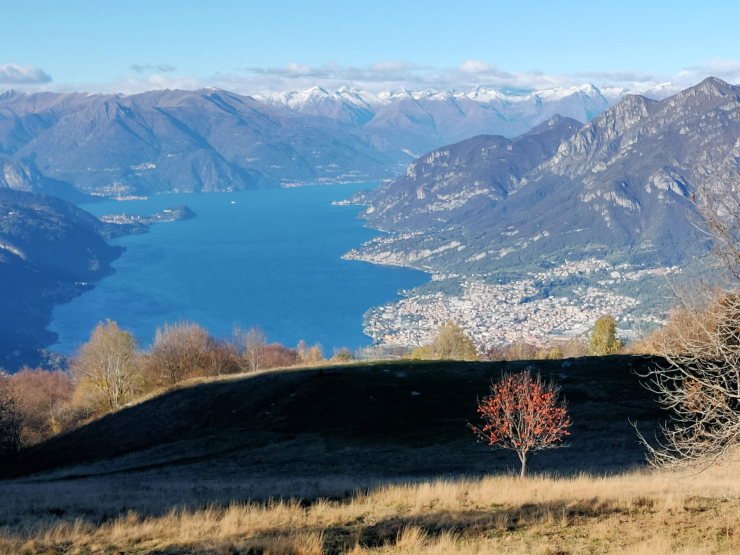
[{"x": 481, "y": 94}]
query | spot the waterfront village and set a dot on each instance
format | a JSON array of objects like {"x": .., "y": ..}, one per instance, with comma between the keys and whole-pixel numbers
[{"x": 501, "y": 314}]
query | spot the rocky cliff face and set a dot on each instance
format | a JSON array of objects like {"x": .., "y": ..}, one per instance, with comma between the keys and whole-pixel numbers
[
  {"x": 471, "y": 176},
  {"x": 626, "y": 185}
]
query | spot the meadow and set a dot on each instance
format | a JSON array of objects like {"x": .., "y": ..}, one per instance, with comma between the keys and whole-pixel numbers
[
  {"x": 364, "y": 458},
  {"x": 634, "y": 512}
]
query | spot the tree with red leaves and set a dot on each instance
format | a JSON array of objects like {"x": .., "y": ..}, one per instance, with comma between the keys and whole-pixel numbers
[{"x": 524, "y": 414}]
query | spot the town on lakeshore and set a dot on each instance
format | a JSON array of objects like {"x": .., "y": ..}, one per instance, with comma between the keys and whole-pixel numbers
[{"x": 501, "y": 314}]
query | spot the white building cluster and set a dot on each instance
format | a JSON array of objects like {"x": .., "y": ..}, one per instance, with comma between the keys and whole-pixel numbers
[{"x": 500, "y": 314}]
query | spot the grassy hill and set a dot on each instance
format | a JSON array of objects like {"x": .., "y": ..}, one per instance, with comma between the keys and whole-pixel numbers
[
  {"x": 383, "y": 419},
  {"x": 362, "y": 459}
]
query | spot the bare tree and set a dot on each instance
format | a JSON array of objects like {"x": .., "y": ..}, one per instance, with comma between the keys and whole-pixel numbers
[
  {"x": 575, "y": 347},
  {"x": 276, "y": 355},
  {"x": 342, "y": 355},
  {"x": 251, "y": 345},
  {"x": 106, "y": 368},
  {"x": 699, "y": 383},
  {"x": 314, "y": 355},
  {"x": 302, "y": 350},
  {"x": 520, "y": 350}
]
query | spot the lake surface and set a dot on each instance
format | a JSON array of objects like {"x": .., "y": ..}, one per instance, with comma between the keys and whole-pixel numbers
[{"x": 259, "y": 258}]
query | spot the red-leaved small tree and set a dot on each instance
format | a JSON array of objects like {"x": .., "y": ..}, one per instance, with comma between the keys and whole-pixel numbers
[{"x": 524, "y": 414}]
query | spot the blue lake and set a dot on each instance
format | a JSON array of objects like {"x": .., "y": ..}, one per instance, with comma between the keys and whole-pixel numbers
[{"x": 260, "y": 258}]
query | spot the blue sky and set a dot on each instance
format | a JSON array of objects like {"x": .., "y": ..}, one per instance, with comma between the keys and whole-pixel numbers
[{"x": 252, "y": 45}]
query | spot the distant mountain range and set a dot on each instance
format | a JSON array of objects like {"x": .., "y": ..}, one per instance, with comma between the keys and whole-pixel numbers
[
  {"x": 626, "y": 185},
  {"x": 215, "y": 140}
]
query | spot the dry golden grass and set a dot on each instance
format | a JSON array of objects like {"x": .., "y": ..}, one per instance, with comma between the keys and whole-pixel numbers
[{"x": 638, "y": 512}]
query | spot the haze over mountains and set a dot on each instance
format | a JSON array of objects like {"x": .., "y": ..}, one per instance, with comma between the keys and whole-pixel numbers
[
  {"x": 214, "y": 140},
  {"x": 625, "y": 185}
]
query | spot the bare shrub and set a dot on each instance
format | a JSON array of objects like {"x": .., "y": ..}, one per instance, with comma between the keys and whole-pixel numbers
[
  {"x": 522, "y": 350},
  {"x": 276, "y": 355},
  {"x": 179, "y": 351},
  {"x": 42, "y": 402},
  {"x": 10, "y": 425},
  {"x": 310, "y": 354},
  {"x": 682, "y": 324}
]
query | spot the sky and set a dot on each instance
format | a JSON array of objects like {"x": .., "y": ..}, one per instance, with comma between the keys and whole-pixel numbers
[{"x": 260, "y": 46}]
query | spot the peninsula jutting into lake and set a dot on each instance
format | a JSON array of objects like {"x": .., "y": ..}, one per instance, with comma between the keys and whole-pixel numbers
[{"x": 271, "y": 259}]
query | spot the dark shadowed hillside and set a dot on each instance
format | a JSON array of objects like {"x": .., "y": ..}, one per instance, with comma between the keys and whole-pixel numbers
[
  {"x": 50, "y": 251},
  {"x": 385, "y": 419}
]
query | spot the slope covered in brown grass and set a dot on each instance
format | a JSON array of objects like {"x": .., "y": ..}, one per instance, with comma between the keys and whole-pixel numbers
[
  {"x": 632, "y": 513},
  {"x": 371, "y": 458}
]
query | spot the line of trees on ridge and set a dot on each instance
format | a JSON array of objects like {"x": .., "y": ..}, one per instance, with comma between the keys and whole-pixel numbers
[{"x": 110, "y": 371}]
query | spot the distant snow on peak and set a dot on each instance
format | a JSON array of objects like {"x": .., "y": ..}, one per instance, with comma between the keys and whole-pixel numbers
[
  {"x": 316, "y": 95},
  {"x": 597, "y": 98},
  {"x": 446, "y": 116}
]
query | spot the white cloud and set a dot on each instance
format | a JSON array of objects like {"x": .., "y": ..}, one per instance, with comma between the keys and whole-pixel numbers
[
  {"x": 475, "y": 66},
  {"x": 383, "y": 75},
  {"x": 728, "y": 70},
  {"x": 381, "y": 71},
  {"x": 15, "y": 74},
  {"x": 394, "y": 67},
  {"x": 402, "y": 74},
  {"x": 158, "y": 68}
]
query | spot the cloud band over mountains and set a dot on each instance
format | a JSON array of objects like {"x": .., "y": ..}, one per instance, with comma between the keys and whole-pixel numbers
[
  {"x": 393, "y": 75},
  {"x": 470, "y": 73}
]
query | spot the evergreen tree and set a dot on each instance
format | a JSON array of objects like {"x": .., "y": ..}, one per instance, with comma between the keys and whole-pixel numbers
[{"x": 604, "y": 337}]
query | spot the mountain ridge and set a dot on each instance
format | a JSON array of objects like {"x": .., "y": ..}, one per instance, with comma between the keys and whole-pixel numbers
[
  {"x": 213, "y": 139},
  {"x": 629, "y": 179}
]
